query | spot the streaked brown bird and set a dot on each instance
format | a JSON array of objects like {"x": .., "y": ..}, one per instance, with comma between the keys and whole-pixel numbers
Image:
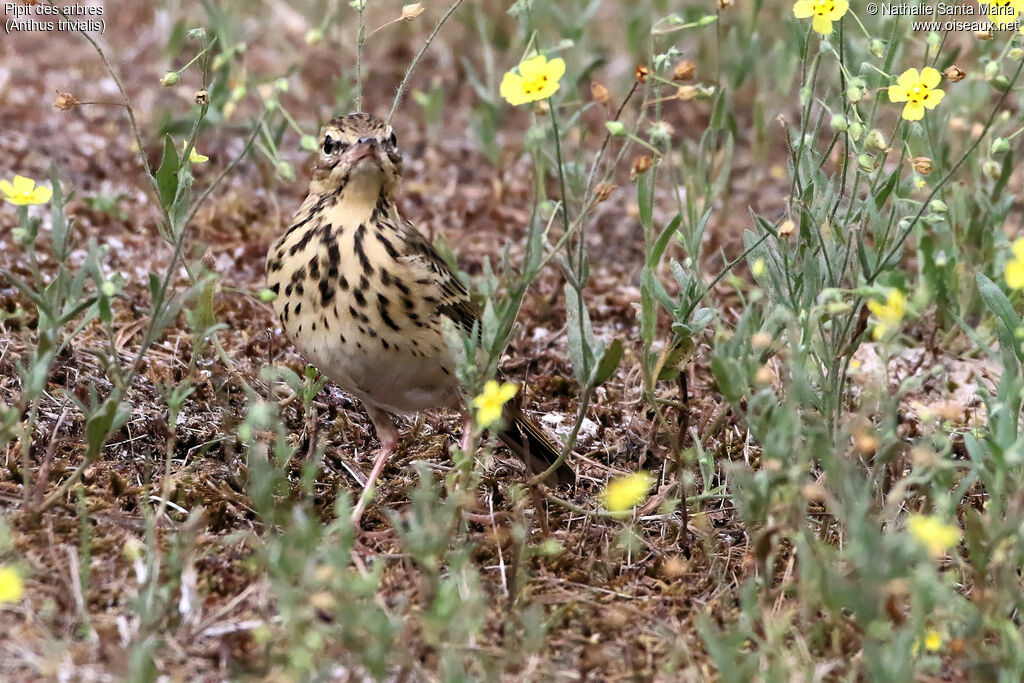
[{"x": 361, "y": 293}]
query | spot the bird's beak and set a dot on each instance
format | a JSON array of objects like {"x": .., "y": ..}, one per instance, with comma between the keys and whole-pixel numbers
[{"x": 366, "y": 148}]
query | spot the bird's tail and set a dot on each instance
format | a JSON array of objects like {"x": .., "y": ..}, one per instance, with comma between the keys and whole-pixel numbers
[{"x": 524, "y": 438}]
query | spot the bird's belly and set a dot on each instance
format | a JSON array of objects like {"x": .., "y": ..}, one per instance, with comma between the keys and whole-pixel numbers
[{"x": 386, "y": 371}]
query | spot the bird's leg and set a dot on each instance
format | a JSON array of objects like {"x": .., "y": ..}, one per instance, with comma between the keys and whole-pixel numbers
[
  {"x": 467, "y": 433},
  {"x": 388, "y": 436}
]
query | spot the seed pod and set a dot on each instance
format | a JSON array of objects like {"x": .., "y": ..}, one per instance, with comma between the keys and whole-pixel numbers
[
  {"x": 955, "y": 74},
  {"x": 923, "y": 165},
  {"x": 599, "y": 92},
  {"x": 684, "y": 71}
]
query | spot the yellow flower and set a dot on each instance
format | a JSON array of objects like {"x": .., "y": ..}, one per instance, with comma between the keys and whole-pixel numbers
[
  {"x": 490, "y": 401},
  {"x": 537, "y": 80},
  {"x": 1014, "y": 272},
  {"x": 932, "y": 640},
  {"x": 889, "y": 314},
  {"x": 628, "y": 491},
  {"x": 1003, "y": 11},
  {"x": 24, "y": 191},
  {"x": 11, "y": 585},
  {"x": 194, "y": 156},
  {"x": 824, "y": 12},
  {"x": 918, "y": 90},
  {"x": 933, "y": 533}
]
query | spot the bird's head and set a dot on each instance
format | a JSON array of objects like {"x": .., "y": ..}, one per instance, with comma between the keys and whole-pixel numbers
[{"x": 358, "y": 155}]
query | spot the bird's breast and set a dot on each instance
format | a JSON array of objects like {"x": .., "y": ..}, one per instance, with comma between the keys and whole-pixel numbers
[{"x": 357, "y": 310}]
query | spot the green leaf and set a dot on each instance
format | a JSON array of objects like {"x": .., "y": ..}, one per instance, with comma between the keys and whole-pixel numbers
[
  {"x": 1002, "y": 309},
  {"x": 729, "y": 376},
  {"x": 98, "y": 427},
  {"x": 609, "y": 361},
  {"x": 581, "y": 336},
  {"x": 167, "y": 174}
]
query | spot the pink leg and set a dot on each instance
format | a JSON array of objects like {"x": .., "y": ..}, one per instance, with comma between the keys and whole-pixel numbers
[
  {"x": 386, "y": 449},
  {"x": 388, "y": 436},
  {"x": 467, "y": 433}
]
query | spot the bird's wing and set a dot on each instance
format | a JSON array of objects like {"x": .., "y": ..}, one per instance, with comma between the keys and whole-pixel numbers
[{"x": 453, "y": 299}]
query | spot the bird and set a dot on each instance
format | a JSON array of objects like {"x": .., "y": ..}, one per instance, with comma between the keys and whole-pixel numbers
[{"x": 361, "y": 294}]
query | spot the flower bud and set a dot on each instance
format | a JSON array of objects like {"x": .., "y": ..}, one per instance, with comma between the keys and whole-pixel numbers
[
  {"x": 202, "y": 98},
  {"x": 991, "y": 70},
  {"x": 616, "y": 128},
  {"x": 855, "y": 130},
  {"x": 934, "y": 39},
  {"x": 1000, "y": 146},
  {"x": 314, "y": 36},
  {"x": 170, "y": 78},
  {"x": 285, "y": 170},
  {"x": 991, "y": 169},
  {"x": 854, "y": 94},
  {"x": 875, "y": 139},
  {"x": 706, "y": 20},
  {"x": 266, "y": 296},
  {"x": 308, "y": 143},
  {"x": 923, "y": 165},
  {"x": 1001, "y": 83},
  {"x": 839, "y": 122},
  {"x": 196, "y": 34},
  {"x": 641, "y": 73},
  {"x": 866, "y": 163},
  {"x": 877, "y": 48},
  {"x": 937, "y": 206},
  {"x": 1016, "y": 54},
  {"x": 599, "y": 92}
]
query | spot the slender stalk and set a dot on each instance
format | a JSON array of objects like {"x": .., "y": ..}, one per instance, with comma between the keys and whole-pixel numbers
[{"x": 419, "y": 55}]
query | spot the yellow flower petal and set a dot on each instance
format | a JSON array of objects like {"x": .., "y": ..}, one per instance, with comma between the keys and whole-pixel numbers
[
  {"x": 11, "y": 585},
  {"x": 913, "y": 111},
  {"x": 1015, "y": 274},
  {"x": 23, "y": 185},
  {"x": 897, "y": 93},
  {"x": 908, "y": 79},
  {"x": 930, "y": 77},
  {"x": 533, "y": 67},
  {"x": 932, "y": 640},
  {"x": 933, "y": 533},
  {"x": 41, "y": 194},
  {"x": 512, "y": 88},
  {"x": 822, "y": 25},
  {"x": 624, "y": 493},
  {"x": 803, "y": 9},
  {"x": 933, "y": 99},
  {"x": 556, "y": 69},
  {"x": 840, "y": 9}
]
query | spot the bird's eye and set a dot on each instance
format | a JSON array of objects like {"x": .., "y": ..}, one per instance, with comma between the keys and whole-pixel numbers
[
  {"x": 328, "y": 145},
  {"x": 392, "y": 140}
]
